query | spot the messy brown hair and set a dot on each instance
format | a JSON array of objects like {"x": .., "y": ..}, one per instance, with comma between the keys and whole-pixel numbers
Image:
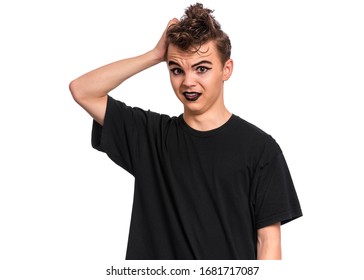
[{"x": 197, "y": 27}]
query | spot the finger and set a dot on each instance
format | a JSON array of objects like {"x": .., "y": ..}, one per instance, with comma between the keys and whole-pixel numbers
[{"x": 172, "y": 21}]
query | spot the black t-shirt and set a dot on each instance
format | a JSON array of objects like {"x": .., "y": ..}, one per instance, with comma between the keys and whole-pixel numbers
[{"x": 198, "y": 194}]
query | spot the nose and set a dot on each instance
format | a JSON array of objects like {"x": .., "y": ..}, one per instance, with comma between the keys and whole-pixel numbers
[{"x": 189, "y": 80}]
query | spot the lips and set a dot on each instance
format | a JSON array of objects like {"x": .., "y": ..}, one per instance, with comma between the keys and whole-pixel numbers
[{"x": 191, "y": 96}]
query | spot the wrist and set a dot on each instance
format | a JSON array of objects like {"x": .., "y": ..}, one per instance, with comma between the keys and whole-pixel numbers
[{"x": 158, "y": 55}]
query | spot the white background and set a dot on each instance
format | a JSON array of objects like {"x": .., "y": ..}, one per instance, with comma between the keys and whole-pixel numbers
[{"x": 299, "y": 75}]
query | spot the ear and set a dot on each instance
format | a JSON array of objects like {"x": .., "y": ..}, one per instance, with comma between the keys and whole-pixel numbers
[{"x": 228, "y": 69}]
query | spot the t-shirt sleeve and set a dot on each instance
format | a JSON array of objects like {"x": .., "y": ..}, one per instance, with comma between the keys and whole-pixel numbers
[
  {"x": 118, "y": 136},
  {"x": 276, "y": 199}
]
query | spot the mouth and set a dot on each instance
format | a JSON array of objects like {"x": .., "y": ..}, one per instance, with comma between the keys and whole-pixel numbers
[{"x": 191, "y": 96}]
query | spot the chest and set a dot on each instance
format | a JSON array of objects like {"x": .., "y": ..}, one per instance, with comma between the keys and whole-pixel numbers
[{"x": 218, "y": 165}]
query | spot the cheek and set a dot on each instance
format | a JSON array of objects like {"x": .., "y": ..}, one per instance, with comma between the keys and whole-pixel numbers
[
  {"x": 216, "y": 80},
  {"x": 174, "y": 83}
]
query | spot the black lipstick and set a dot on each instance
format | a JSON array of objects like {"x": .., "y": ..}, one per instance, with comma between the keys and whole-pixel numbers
[{"x": 191, "y": 96}]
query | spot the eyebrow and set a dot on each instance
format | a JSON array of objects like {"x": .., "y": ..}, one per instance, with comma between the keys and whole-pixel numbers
[{"x": 171, "y": 63}]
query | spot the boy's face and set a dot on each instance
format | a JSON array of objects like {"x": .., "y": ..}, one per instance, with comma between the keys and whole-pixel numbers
[{"x": 197, "y": 78}]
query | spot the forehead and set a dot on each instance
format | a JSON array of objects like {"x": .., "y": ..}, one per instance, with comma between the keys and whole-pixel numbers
[{"x": 206, "y": 51}]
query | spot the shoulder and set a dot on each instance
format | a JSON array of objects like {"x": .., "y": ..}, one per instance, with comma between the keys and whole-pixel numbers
[
  {"x": 257, "y": 140},
  {"x": 137, "y": 114},
  {"x": 249, "y": 130}
]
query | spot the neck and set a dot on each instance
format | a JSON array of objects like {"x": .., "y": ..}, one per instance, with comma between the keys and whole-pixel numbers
[{"x": 208, "y": 120}]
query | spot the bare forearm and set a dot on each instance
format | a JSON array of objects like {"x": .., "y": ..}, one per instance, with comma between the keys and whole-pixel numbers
[{"x": 101, "y": 81}]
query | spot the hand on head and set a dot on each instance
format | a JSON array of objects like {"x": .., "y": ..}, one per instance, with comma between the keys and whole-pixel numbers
[{"x": 161, "y": 47}]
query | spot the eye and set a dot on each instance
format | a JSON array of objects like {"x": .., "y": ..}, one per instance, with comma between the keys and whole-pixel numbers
[
  {"x": 176, "y": 71},
  {"x": 202, "y": 69}
]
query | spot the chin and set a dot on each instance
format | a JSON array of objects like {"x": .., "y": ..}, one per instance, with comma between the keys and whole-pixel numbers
[{"x": 193, "y": 108}]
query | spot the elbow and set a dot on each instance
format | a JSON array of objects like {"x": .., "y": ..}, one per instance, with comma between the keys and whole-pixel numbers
[{"x": 76, "y": 90}]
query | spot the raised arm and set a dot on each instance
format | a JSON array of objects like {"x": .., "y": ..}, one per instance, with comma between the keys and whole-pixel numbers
[{"x": 91, "y": 89}]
